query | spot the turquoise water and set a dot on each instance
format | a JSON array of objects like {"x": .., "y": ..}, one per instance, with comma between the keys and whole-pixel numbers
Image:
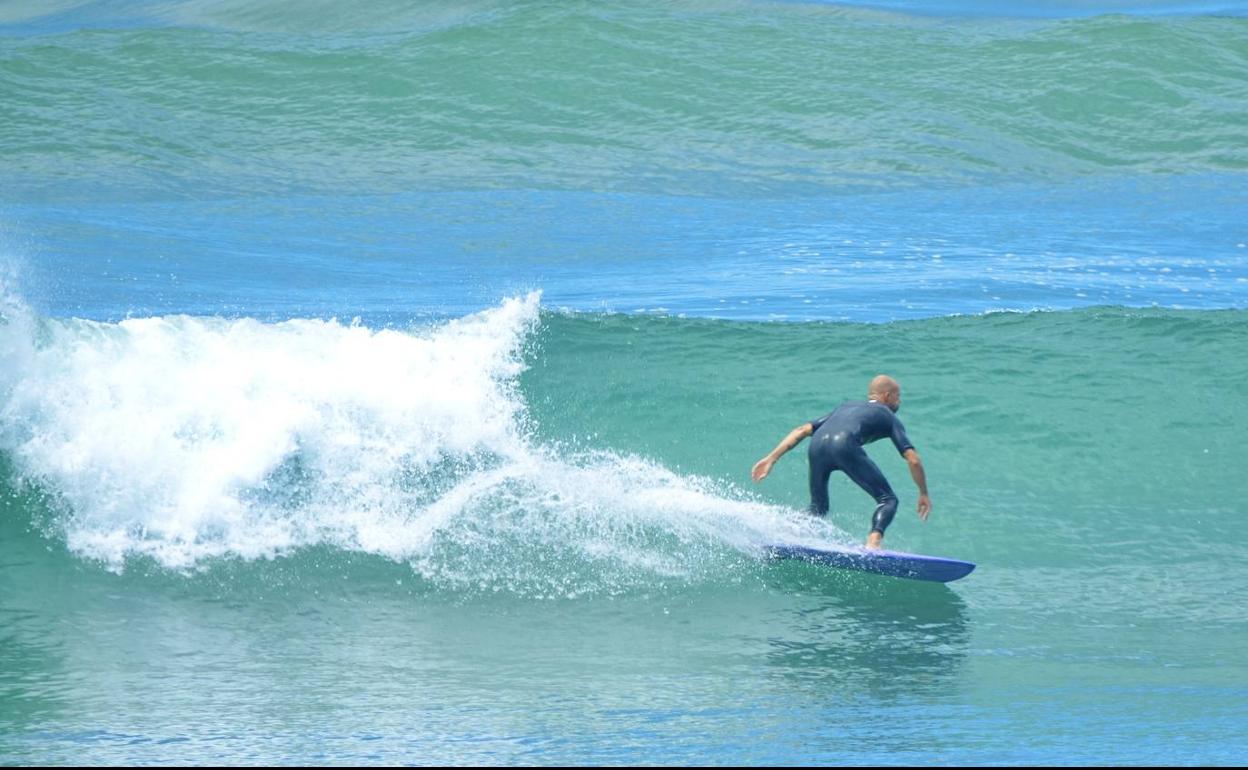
[{"x": 380, "y": 385}]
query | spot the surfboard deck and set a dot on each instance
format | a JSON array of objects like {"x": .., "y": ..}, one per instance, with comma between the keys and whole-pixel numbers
[{"x": 893, "y": 563}]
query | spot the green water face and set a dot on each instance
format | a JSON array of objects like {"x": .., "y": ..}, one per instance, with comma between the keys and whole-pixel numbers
[{"x": 1055, "y": 437}]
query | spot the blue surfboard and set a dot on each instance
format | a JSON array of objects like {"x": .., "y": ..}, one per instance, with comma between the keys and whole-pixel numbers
[{"x": 894, "y": 563}]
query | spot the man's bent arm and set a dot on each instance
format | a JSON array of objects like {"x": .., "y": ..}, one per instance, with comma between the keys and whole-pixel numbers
[
  {"x": 763, "y": 466},
  {"x": 920, "y": 480}
]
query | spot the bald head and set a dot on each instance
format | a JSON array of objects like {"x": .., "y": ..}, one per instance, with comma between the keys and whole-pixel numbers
[{"x": 885, "y": 390}]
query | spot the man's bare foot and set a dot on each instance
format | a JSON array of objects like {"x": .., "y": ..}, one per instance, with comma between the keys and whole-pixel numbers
[{"x": 873, "y": 541}]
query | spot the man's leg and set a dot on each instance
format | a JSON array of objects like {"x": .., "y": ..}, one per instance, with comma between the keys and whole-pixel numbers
[
  {"x": 866, "y": 474},
  {"x": 820, "y": 470}
]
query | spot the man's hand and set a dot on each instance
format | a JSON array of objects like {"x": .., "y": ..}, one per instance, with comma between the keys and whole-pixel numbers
[
  {"x": 763, "y": 466},
  {"x": 920, "y": 480}
]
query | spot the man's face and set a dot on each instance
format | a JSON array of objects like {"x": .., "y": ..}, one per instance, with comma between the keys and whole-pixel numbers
[{"x": 893, "y": 400}]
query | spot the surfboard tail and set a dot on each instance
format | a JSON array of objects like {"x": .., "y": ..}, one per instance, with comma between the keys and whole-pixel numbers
[{"x": 911, "y": 566}]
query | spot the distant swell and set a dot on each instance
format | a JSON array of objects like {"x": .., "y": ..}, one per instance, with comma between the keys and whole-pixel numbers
[{"x": 690, "y": 98}]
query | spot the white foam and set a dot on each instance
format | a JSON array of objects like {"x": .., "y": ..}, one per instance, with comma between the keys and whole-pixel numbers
[
  {"x": 163, "y": 435},
  {"x": 185, "y": 439}
]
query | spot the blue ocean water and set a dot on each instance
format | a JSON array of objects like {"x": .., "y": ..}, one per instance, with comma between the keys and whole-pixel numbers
[
  {"x": 379, "y": 384},
  {"x": 1176, "y": 243}
]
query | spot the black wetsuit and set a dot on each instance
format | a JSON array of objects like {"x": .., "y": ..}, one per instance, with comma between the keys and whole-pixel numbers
[{"x": 836, "y": 445}]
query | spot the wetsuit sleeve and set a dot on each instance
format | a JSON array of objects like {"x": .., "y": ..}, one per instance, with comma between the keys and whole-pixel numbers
[
  {"x": 900, "y": 439},
  {"x": 814, "y": 424}
]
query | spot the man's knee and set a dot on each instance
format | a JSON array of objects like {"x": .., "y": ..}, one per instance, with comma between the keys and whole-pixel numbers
[{"x": 884, "y": 513}]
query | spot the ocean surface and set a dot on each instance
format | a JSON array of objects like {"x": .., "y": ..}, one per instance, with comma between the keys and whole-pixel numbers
[{"x": 380, "y": 382}]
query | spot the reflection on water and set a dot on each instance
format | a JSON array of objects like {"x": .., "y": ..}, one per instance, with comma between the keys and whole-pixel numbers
[{"x": 884, "y": 634}]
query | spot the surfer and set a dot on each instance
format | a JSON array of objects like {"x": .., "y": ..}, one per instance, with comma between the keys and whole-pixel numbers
[{"x": 837, "y": 446}]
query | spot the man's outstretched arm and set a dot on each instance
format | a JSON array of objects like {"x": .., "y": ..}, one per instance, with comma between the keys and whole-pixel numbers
[
  {"x": 920, "y": 480},
  {"x": 763, "y": 466}
]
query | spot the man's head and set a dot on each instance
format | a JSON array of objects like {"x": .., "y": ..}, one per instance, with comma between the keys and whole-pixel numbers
[{"x": 885, "y": 390}]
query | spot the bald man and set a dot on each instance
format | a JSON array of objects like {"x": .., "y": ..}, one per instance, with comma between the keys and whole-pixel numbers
[{"x": 837, "y": 443}]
